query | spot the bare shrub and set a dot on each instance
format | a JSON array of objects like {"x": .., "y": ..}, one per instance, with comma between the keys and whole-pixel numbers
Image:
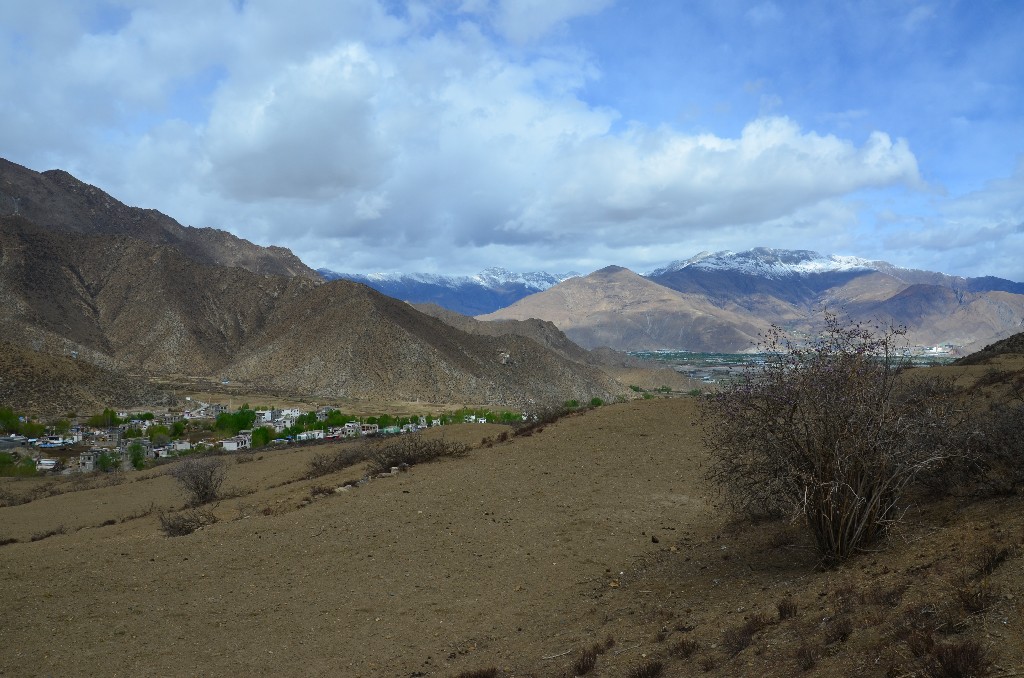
[
  {"x": 828, "y": 431},
  {"x": 200, "y": 478},
  {"x": 185, "y": 522},
  {"x": 324, "y": 464},
  {"x": 412, "y": 450},
  {"x": 962, "y": 659}
]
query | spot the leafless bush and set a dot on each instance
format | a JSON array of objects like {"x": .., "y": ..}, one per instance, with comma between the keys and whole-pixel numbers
[
  {"x": 412, "y": 450},
  {"x": 829, "y": 431},
  {"x": 185, "y": 522},
  {"x": 324, "y": 464},
  {"x": 200, "y": 478}
]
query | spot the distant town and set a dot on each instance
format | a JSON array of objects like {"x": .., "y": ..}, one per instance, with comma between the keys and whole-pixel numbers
[{"x": 123, "y": 440}]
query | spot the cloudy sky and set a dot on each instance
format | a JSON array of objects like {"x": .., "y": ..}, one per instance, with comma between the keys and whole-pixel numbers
[{"x": 454, "y": 135}]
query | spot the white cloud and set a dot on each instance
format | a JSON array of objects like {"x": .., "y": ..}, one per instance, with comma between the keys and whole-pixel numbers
[
  {"x": 351, "y": 135},
  {"x": 525, "y": 20}
]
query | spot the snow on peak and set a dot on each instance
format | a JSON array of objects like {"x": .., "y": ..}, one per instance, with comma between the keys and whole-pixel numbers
[{"x": 766, "y": 262}]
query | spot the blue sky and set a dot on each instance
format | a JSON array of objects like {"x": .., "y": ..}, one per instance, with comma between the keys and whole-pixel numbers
[{"x": 454, "y": 135}]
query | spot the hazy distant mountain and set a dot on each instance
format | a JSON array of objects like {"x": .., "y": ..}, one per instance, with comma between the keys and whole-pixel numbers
[
  {"x": 57, "y": 201},
  {"x": 724, "y": 299},
  {"x": 484, "y": 292}
]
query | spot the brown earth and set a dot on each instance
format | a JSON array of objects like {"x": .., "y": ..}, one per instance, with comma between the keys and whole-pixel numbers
[{"x": 517, "y": 557}]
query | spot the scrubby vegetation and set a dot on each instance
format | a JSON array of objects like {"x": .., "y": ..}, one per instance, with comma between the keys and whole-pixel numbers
[
  {"x": 830, "y": 431},
  {"x": 412, "y": 450},
  {"x": 200, "y": 478}
]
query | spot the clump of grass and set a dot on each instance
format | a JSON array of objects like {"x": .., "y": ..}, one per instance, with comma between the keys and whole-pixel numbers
[
  {"x": 39, "y": 536},
  {"x": 185, "y": 522},
  {"x": 317, "y": 491},
  {"x": 962, "y": 659},
  {"x": 4, "y": 541},
  {"x": 324, "y": 464},
  {"x": 413, "y": 450},
  {"x": 990, "y": 558},
  {"x": 787, "y": 608},
  {"x": 838, "y": 631},
  {"x": 244, "y": 458},
  {"x": 806, "y": 656},
  {"x": 649, "y": 670},
  {"x": 977, "y": 596},
  {"x": 738, "y": 638},
  {"x": 585, "y": 663},
  {"x": 479, "y": 673},
  {"x": 684, "y": 648}
]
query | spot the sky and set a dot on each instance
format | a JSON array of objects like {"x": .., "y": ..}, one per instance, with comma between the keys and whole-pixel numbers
[{"x": 450, "y": 136}]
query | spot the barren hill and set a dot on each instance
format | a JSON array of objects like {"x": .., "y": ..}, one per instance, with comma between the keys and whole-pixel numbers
[
  {"x": 127, "y": 305},
  {"x": 58, "y": 201},
  {"x": 617, "y": 308}
]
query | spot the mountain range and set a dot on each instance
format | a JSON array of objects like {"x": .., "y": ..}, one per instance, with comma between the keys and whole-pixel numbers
[
  {"x": 485, "y": 292},
  {"x": 721, "y": 302}
]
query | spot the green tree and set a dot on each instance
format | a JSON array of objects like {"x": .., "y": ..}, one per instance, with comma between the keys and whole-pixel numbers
[
  {"x": 178, "y": 428},
  {"x": 8, "y": 420},
  {"x": 159, "y": 435},
  {"x": 108, "y": 461},
  {"x": 137, "y": 455},
  {"x": 32, "y": 429},
  {"x": 262, "y": 436},
  {"x": 61, "y": 426},
  {"x": 106, "y": 419}
]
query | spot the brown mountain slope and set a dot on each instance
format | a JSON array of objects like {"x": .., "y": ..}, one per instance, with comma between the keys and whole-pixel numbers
[
  {"x": 51, "y": 385},
  {"x": 56, "y": 200},
  {"x": 127, "y": 305},
  {"x": 617, "y": 308}
]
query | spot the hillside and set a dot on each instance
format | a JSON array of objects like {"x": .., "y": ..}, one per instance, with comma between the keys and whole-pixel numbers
[
  {"x": 57, "y": 201},
  {"x": 617, "y": 308},
  {"x": 128, "y": 306},
  {"x": 597, "y": 530}
]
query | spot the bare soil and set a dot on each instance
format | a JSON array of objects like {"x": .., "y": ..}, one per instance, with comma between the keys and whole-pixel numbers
[{"x": 596, "y": 530}]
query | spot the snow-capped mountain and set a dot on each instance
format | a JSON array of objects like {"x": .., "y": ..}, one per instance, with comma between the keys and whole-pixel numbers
[
  {"x": 770, "y": 263},
  {"x": 487, "y": 291},
  {"x": 723, "y": 301}
]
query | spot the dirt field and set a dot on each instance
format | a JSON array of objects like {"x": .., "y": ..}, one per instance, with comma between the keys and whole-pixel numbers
[{"x": 517, "y": 557}]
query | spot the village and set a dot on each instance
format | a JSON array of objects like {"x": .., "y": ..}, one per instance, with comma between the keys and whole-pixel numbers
[{"x": 134, "y": 440}]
